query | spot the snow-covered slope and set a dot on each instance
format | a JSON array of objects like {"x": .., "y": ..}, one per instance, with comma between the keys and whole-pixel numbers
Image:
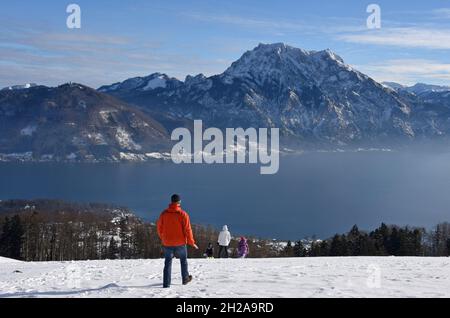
[
  {"x": 4, "y": 260},
  {"x": 294, "y": 277}
]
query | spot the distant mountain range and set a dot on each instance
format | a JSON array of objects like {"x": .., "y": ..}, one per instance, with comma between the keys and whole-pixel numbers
[
  {"x": 312, "y": 96},
  {"x": 418, "y": 89}
]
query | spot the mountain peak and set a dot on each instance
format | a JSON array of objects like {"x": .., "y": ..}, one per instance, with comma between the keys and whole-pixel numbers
[
  {"x": 272, "y": 46},
  {"x": 278, "y": 48},
  {"x": 327, "y": 53},
  {"x": 282, "y": 48},
  {"x": 146, "y": 83},
  {"x": 279, "y": 63},
  {"x": 74, "y": 85},
  {"x": 265, "y": 59}
]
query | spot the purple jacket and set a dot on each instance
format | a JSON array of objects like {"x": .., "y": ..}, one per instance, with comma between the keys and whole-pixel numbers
[{"x": 243, "y": 248}]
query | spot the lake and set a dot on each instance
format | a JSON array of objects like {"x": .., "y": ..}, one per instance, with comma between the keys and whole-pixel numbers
[{"x": 313, "y": 193}]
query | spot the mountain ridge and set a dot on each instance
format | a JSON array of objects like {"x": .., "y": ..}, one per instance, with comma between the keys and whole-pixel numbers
[
  {"x": 314, "y": 98},
  {"x": 73, "y": 122}
]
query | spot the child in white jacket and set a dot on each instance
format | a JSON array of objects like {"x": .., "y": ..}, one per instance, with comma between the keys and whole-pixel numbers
[{"x": 223, "y": 241}]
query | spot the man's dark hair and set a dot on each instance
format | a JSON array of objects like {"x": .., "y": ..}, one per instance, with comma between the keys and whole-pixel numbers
[{"x": 175, "y": 198}]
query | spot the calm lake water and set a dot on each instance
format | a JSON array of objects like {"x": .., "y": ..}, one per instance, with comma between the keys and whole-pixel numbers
[{"x": 315, "y": 193}]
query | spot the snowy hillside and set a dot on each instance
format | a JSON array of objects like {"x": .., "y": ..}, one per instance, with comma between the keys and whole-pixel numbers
[
  {"x": 292, "y": 277},
  {"x": 4, "y": 260}
]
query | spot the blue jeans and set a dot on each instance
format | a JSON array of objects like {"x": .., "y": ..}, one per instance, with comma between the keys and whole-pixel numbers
[{"x": 181, "y": 253}]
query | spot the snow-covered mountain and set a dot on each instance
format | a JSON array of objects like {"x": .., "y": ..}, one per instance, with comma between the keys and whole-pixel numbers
[
  {"x": 147, "y": 83},
  {"x": 310, "y": 95},
  {"x": 419, "y": 88},
  {"x": 73, "y": 122},
  {"x": 431, "y": 108},
  {"x": 314, "y": 97}
]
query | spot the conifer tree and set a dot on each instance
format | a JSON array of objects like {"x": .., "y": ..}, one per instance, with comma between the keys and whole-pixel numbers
[
  {"x": 11, "y": 238},
  {"x": 289, "y": 250},
  {"x": 299, "y": 249},
  {"x": 113, "y": 250}
]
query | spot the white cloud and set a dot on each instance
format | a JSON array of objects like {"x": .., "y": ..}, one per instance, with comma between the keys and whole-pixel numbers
[
  {"x": 408, "y": 71},
  {"x": 51, "y": 58},
  {"x": 430, "y": 38}
]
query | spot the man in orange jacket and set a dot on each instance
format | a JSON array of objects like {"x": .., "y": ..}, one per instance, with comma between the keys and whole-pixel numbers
[{"x": 175, "y": 232}]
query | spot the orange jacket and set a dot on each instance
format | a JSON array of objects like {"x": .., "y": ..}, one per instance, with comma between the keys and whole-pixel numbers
[{"x": 174, "y": 227}]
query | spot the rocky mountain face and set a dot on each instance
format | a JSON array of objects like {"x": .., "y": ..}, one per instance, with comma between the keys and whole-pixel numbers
[
  {"x": 312, "y": 96},
  {"x": 431, "y": 108},
  {"x": 73, "y": 122}
]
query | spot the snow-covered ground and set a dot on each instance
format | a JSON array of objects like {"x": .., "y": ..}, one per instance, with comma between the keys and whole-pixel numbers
[
  {"x": 4, "y": 260},
  {"x": 293, "y": 277}
]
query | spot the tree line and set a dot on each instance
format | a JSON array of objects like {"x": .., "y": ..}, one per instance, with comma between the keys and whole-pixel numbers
[
  {"x": 47, "y": 230},
  {"x": 386, "y": 240}
]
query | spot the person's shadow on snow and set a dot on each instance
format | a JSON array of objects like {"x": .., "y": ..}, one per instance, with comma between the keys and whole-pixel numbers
[{"x": 74, "y": 292}]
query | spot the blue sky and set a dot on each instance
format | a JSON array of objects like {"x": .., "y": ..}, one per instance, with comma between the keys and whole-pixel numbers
[{"x": 122, "y": 39}]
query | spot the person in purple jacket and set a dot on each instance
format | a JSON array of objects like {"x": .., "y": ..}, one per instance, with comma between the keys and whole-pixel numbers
[{"x": 243, "y": 248}]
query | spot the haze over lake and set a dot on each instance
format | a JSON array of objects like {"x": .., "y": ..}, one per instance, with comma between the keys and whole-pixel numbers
[{"x": 314, "y": 193}]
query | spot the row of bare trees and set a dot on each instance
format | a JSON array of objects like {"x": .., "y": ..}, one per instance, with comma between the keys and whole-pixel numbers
[{"x": 38, "y": 235}]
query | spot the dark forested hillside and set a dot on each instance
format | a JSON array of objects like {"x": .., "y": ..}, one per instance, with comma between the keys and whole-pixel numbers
[{"x": 48, "y": 230}]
